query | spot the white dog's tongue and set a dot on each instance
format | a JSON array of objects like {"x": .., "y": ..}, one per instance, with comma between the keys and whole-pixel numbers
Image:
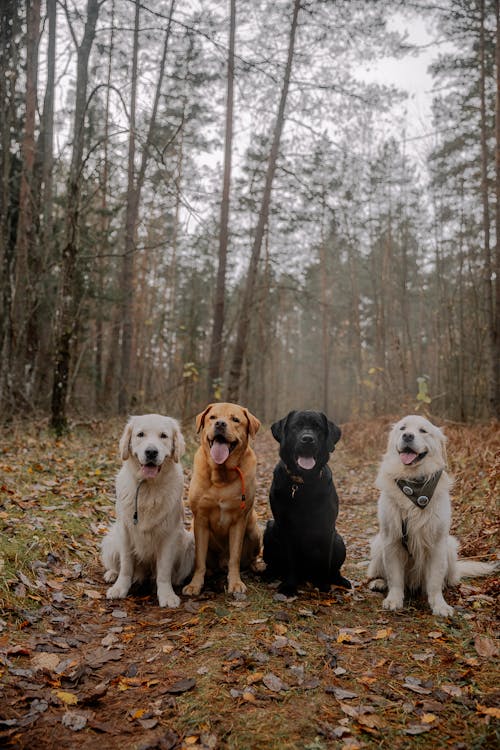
[
  {"x": 149, "y": 471},
  {"x": 306, "y": 462},
  {"x": 408, "y": 458},
  {"x": 219, "y": 452}
]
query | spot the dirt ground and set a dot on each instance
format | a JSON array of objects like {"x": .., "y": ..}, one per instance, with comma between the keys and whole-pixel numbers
[{"x": 313, "y": 672}]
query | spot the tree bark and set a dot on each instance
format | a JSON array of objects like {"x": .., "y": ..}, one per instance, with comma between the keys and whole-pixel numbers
[
  {"x": 496, "y": 330},
  {"x": 246, "y": 306},
  {"x": 133, "y": 200},
  {"x": 69, "y": 297},
  {"x": 215, "y": 360},
  {"x": 23, "y": 299}
]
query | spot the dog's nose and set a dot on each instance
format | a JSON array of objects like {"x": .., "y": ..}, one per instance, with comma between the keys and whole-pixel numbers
[
  {"x": 408, "y": 437},
  {"x": 151, "y": 454},
  {"x": 307, "y": 439},
  {"x": 220, "y": 424}
]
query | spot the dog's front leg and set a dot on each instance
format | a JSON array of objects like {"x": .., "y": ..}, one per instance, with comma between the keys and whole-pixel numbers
[
  {"x": 435, "y": 574},
  {"x": 201, "y": 537},
  {"x": 236, "y": 535},
  {"x": 166, "y": 594},
  {"x": 121, "y": 587},
  {"x": 394, "y": 569}
]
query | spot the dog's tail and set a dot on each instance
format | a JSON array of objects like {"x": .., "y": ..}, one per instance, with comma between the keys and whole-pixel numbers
[{"x": 473, "y": 568}]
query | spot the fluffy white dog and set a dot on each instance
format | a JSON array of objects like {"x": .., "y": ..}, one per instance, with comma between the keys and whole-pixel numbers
[
  {"x": 414, "y": 549},
  {"x": 148, "y": 538}
]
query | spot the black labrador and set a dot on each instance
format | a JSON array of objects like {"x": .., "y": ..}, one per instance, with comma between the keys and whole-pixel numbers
[{"x": 301, "y": 543}]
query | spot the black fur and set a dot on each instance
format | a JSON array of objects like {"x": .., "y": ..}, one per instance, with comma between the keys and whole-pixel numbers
[{"x": 301, "y": 543}]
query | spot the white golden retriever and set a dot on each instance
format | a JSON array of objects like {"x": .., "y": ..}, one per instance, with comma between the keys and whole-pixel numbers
[
  {"x": 148, "y": 538},
  {"x": 413, "y": 549}
]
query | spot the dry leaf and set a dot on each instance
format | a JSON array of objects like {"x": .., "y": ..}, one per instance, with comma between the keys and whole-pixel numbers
[
  {"x": 68, "y": 698},
  {"x": 453, "y": 690},
  {"x": 43, "y": 660},
  {"x": 181, "y": 686},
  {"x": 488, "y": 710},
  {"x": 384, "y": 633},
  {"x": 274, "y": 683},
  {"x": 415, "y": 729},
  {"x": 485, "y": 646}
]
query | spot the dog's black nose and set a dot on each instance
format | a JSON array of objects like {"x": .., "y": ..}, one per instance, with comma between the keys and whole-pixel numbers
[
  {"x": 151, "y": 454},
  {"x": 220, "y": 424},
  {"x": 408, "y": 437},
  {"x": 307, "y": 439}
]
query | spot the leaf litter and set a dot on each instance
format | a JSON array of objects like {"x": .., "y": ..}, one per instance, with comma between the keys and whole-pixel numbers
[{"x": 261, "y": 671}]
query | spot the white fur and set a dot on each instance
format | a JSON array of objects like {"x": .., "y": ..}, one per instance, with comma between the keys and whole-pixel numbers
[
  {"x": 431, "y": 560},
  {"x": 159, "y": 545}
]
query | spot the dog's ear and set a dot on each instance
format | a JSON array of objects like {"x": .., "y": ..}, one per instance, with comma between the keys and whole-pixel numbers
[
  {"x": 178, "y": 444},
  {"x": 200, "y": 419},
  {"x": 333, "y": 434},
  {"x": 125, "y": 441},
  {"x": 278, "y": 428},
  {"x": 253, "y": 423}
]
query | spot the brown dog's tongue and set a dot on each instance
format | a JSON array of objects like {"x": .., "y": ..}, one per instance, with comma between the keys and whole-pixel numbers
[
  {"x": 219, "y": 452},
  {"x": 408, "y": 458}
]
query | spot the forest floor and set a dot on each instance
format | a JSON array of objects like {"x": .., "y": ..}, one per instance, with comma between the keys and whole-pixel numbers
[{"x": 314, "y": 672}]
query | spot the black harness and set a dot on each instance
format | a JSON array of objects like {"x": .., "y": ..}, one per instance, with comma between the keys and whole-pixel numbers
[{"x": 420, "y": 492}]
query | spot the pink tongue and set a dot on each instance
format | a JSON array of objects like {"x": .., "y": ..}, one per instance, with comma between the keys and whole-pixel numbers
[
  {"x": 408, "y": 458},
  {"x": 149, "y": 472},
  {"x": 219, "y": 452},
  {"x": 306, "y": 462}
]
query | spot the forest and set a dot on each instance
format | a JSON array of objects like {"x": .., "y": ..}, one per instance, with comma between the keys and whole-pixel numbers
[{"x": 208, "y": 200}]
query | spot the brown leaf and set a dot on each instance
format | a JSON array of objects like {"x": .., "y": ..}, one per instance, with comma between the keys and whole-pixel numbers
[
  {"x": 414, "y": 729},
  {"x": 485, "y": 646},
  {"x": 340, "y": 694},
  {"x": 274, "y": 683},
  {"x": 181, "y": 686}
]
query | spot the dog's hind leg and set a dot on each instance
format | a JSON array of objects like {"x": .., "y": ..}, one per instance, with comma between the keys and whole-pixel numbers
[{"x": 110, "y": 557}]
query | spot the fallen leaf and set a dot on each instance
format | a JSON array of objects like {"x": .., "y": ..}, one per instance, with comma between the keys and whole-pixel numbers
[
  {"x": 414, "y": 684},
  {"x": 274, "y": 683},
  {"x": 181, "y": 686},
  {"x": 68, "y": 698},
  {"x": 74, "y": 721},
  {"x": 384, "y": 633},
  {"x": 43, "y": 660},
  {"x": 488, "y": 710},
  {"x": 341, "y": 694},
  {"x": 485, "y": 646},
  {"x": 415, "y": 729},
  {"x": 428, "y": 718},
  {"x": 453, "y": 690},
  {"x": 434, "y": 634}
]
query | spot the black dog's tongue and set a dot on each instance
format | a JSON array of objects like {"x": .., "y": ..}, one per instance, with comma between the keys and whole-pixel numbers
[{"x": 306, "y": 462}]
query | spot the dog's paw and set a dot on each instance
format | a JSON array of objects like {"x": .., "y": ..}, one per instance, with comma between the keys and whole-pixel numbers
[
  {"x": 192, "y": 589},
  {"x": 441, "y": 609},
  {"x": 393, "y": 601},
  {"x": 377, "y": 584},
  {"x": 258, "y": 566},
  {"x": 110, "y": 576},
  {"x": 287, "y": 589},
  {"x": 118, "y": 591},
  {"x": 169, "y": 600},
  {"x": 236, "y": 586}
]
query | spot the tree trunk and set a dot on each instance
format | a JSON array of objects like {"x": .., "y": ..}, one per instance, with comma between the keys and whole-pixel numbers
[
  {"x": 23, "y": 300},
  {"x": 487, "y": 284},
  {"x": 496, "y": 341},
  {"x": 215, "y": 360},
  {"x": 133, "y": 200},
  {"x": 246, "y": 307},
  {"x": 69, "y": 298}
]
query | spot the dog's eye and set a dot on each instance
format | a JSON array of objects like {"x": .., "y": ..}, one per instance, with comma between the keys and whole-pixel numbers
[
  {"x": 421, "y": 429},
  {"x": 235, "y": 419},
  {"x": 403, "y": 428},
  {"x": 140, "y": 434},
  {"x": 213, "y": 416},
  {"x": 163, "y": 436}
]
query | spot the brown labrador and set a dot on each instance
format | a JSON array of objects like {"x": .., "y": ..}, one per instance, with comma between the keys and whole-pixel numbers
[{"x": 221, "y": 495}]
